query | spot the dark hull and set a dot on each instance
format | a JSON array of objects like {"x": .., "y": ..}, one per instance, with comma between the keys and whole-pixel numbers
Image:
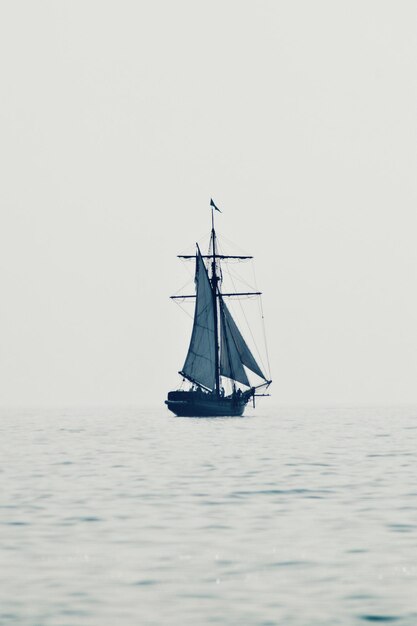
[{"x": 199, "y": 404}]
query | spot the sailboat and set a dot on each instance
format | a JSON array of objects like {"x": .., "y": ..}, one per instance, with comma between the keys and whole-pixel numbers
[{"x": 217, "y": 350}]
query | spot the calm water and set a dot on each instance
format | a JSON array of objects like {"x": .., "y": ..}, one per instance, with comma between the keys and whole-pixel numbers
[{"x": 291, "y": 517}]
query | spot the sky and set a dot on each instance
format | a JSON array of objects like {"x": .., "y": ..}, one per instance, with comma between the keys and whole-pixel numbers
[{"x": 119, "y": 121}]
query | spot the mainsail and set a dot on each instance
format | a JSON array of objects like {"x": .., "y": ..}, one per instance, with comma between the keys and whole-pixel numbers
[
  {"x": 199, "y": 365},
  {"x": 235, "y": 352}
]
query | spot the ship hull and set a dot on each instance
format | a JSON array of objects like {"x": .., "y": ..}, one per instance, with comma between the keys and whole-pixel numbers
[{"x": 199, "y": 404}]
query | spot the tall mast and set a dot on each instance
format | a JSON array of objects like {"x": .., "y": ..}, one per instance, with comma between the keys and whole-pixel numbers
[{"x": 214, "y": 281}]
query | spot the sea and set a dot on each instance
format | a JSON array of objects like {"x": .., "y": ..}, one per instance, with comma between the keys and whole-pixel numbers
[{"x": 292, "y": 516}]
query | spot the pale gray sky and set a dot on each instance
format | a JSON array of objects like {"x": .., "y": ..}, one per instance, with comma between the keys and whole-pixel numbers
[{"x": 119, "y": 120}]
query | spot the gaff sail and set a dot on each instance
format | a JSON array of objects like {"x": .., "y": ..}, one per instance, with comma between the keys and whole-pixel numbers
[{"x": 200, "y": 365}]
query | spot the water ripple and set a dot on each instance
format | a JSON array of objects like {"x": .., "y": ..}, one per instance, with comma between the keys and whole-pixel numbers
[{"x": 299, "y": 517}]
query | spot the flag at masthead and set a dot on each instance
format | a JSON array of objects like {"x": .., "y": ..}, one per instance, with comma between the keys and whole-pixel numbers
[{"x": 214, "y": 206}]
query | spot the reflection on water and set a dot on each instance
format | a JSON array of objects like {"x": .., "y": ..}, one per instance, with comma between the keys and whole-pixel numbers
[{"x": 291, "y": 516}]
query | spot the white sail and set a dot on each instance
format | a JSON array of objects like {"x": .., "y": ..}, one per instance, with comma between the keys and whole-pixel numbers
[
  {"x": 235, "y": 351},
  {"x": 199, "y": 365}
]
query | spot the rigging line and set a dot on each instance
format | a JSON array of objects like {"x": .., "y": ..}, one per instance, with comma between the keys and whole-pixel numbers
[
  {"x": 250, "y": 330},
  {"x": 182, "y": 309},
  {"x": 190, "y": 272},
  {"x": 184, "y": 286},
  {"x": 221, "y": 249},
  {"x": 245, "y": 253},
  {"x": 240, "y": 278},
  {"x": 191, "y": 247},
  {"x": 261, "y": 309},
  {"x": 237, "y": 275},
  {"x": 265, "y": 341}
]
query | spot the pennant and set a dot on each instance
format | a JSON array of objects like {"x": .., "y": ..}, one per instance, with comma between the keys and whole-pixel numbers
[{"x": 213, "y": 205}]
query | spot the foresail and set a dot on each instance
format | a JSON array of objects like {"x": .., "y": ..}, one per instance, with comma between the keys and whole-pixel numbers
[
  {"x": 235, "y": 351},
  {"x": 230, "y": 363},
  {"x": 199, "y": 365}
]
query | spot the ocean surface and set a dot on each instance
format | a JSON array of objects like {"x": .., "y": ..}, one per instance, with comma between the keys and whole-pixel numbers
[{"x": 288, "y": 516}]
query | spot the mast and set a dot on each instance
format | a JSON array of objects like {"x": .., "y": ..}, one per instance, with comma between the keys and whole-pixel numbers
[{"x": 214, "y": 281}]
